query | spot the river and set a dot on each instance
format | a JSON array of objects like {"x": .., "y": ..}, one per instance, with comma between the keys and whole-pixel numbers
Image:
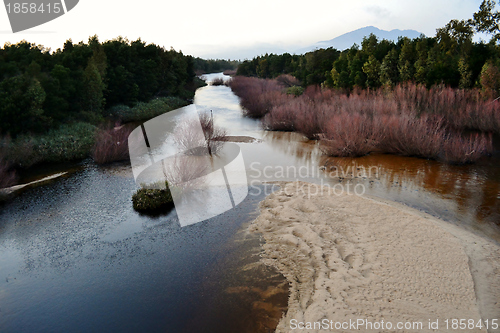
[{"x": 75, "y": 256}]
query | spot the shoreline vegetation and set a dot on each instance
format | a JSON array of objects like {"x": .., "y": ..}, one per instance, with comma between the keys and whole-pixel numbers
[
  {"x": 351, "y": 257},
  {"x": 76, "y": 102},
  {"x": 452, "y": 125}
]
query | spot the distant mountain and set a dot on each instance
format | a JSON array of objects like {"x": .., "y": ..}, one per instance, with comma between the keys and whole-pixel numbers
[{"x": 347, "y": 40}]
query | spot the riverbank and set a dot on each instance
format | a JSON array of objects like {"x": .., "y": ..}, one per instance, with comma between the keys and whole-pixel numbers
[{"x": 350, "y": 257}]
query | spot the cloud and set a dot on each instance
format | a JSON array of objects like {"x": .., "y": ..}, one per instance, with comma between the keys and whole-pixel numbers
[{"x": 378, "y": 11}]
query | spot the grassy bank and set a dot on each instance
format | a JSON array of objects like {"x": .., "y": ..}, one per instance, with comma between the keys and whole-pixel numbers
[
  {"x": 144, "y": 111},
  {"x": 105, "y": 142},
  {"x": 408, "y": 119}
]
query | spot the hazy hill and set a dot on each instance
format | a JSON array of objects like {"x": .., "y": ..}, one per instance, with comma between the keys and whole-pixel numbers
[{"x": 346, "y": 40}]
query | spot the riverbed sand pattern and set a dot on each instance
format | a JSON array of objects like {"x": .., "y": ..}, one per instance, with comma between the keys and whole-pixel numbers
[{"x": 349, "y": 257}]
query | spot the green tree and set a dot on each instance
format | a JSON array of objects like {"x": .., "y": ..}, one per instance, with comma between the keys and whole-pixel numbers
[
  {"x": 389, "y": 73},
  {"x": 490, "y": 80},
  {"x": 465, "y": 74},
  {"x": 21, "y": 110},
  {"x": 94, "y": 88},
  {"x": 487, "y": 19},
  {"x": 421, "y": 68},
  {"x": 406, "y": 60},
  {"x": 340, "y": 72},
  {"x": 372, "y": 70}
]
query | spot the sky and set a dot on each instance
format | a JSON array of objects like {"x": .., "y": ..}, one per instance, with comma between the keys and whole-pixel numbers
[{"x": 237, "y": 29}]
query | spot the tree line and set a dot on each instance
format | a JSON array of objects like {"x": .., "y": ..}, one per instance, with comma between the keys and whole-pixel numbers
[
  {"x": 214, "y": 65},
  {"x": 451, "y": 58},
  {"x": 40, "y": 89}
]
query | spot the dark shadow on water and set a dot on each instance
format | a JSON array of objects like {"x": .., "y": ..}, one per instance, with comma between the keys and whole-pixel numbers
[{"x": 75, "y": 256}]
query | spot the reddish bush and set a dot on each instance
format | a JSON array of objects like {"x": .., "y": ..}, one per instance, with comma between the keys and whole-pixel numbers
[
  {"x": 460, "y": 150},
  {"x": 404, "y": 135},
  {"x": 348, "y": 135},
  {"x": 257, "y": 96},
  {"x": 280, "y": 118},
  {"x": 111, "y": 145},
  {"x": 230, "y": 72},
  {"x": 408, "y": 120},
  {"x": 286, "y": 80}
]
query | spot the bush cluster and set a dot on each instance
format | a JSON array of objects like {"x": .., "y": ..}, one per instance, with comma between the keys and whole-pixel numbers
[{"x": 408, "y": 120}]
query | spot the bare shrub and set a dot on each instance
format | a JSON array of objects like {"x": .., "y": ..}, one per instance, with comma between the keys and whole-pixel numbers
[
  {"x": 281, "y": 118},
  {"x": 186, "y": 172},
  {"x": 287, "y": 80},
  {"x": 348, "y": 135},
  {"x": 257, "y": 96},
  {"x": 404, "y": 135},
  {"x": 230, "y": 72},
  {"x": 217, "y": 82},
  {"x": 111, "y": 144},
  {"x": 215, "y": 136},
  {"x": 408, "y": 119},
  {"x": 461, "y": 150},
  {"x": 191, "y": 141}
]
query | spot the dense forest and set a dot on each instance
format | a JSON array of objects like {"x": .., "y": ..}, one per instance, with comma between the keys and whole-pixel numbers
[
  {"x": 40, "y": 89},
  {"x": 203, "y": 66},
  {"x": 450, "y": 58},
  {"x": 69, "y": 104}
]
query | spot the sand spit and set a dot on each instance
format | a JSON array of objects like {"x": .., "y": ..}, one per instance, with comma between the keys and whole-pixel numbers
[
  {"x": 349, "y": 258},
  {"x": 9, "y": 190}
]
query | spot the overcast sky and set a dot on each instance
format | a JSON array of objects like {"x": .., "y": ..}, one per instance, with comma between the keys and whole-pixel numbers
[{"x": 232, "y": 28}]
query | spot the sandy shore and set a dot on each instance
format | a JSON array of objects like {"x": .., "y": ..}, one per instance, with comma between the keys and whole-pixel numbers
[{"x": 351, "y": 258}]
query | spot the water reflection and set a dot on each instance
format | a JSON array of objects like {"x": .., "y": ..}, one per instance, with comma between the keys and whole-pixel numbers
[
  {"x": 75, "y": 250},
  {"x": 467, "y": 195}
]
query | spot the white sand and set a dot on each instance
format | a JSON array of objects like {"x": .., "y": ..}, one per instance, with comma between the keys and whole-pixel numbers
[
  {"x": 9, "y": 190},
  {"x": 349, "y": 258}
]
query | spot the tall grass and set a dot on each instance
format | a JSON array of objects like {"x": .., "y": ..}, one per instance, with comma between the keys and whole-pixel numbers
[{"x": 408, "y": 120}]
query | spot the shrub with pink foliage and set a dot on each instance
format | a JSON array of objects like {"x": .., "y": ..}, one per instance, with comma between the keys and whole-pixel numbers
[
  {"x": 404, "y": 135},
  {"x": 257, "y": 96},
  {"x": 280, "y": 118},
  {"x": 287, "y": 80},
  {"x": 458, "y": 149},
  {"x": 408, "y": 120},
  {"x": 348, "y": 135}
]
